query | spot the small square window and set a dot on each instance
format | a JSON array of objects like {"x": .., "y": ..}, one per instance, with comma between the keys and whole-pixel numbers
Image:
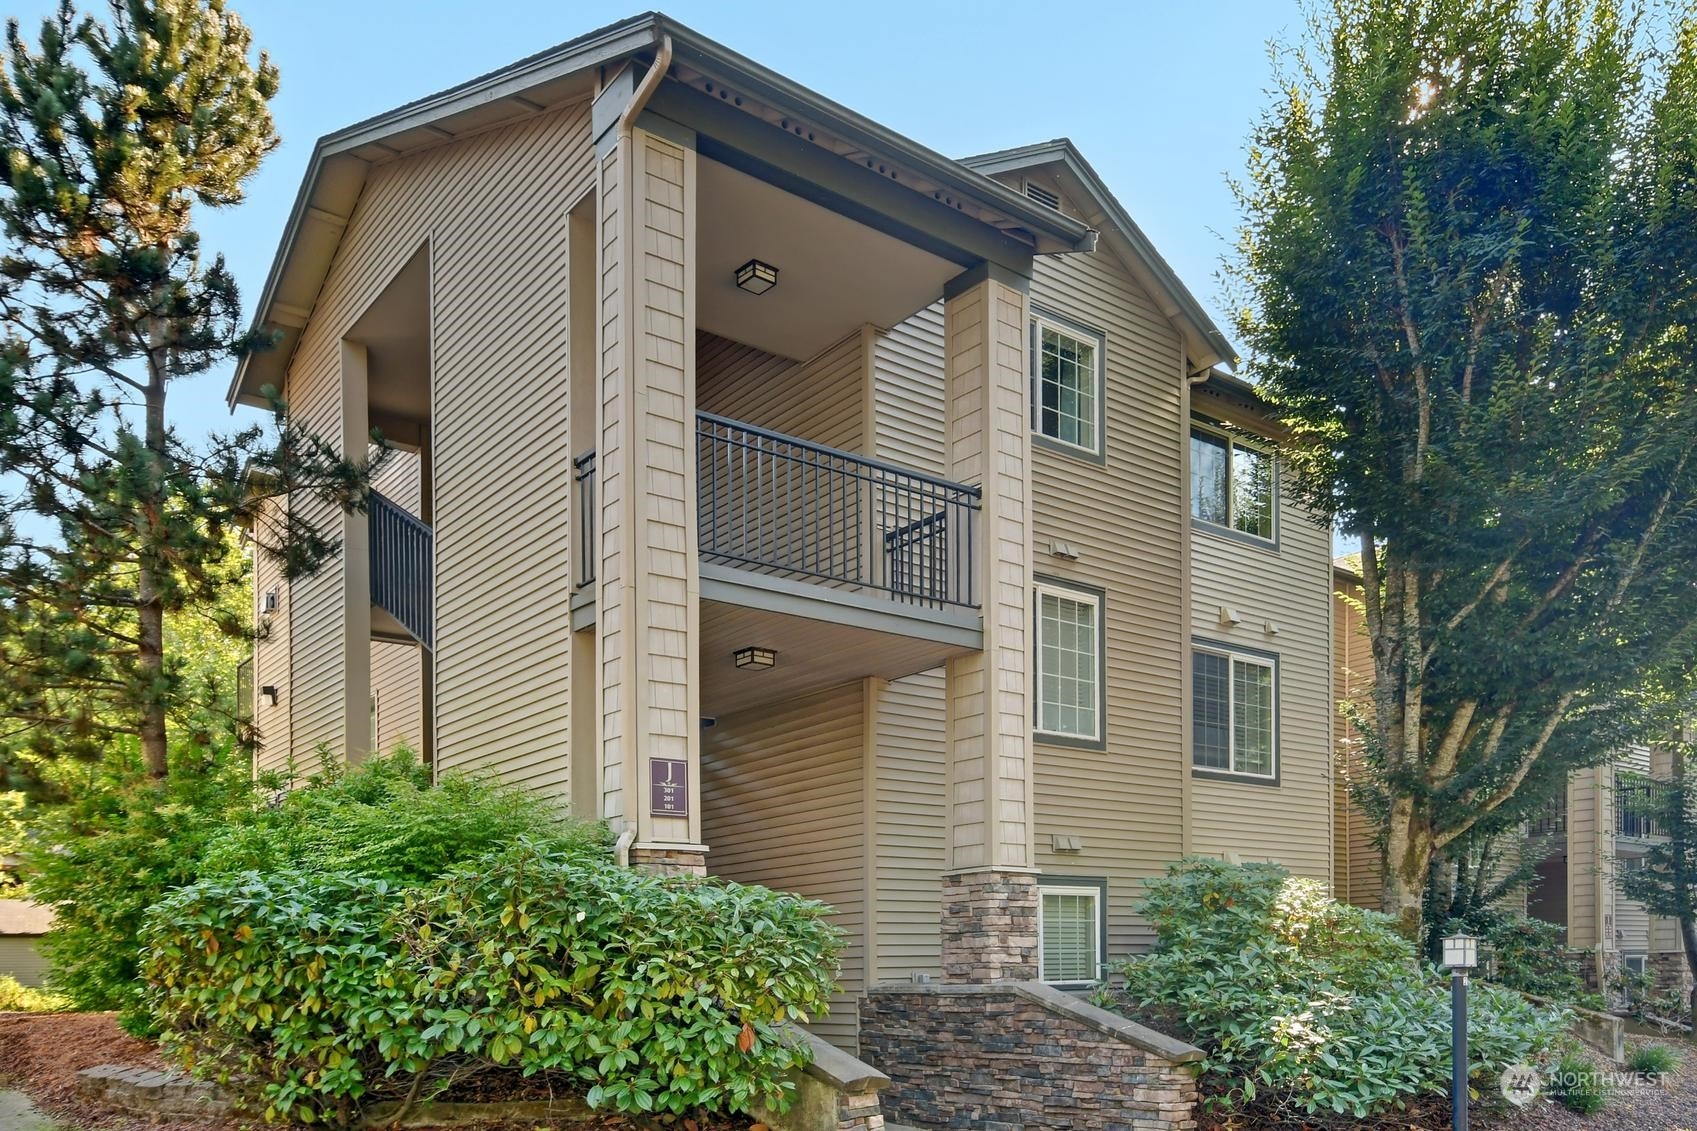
[
  {"x": 1232, "y": 484},
  {"x": 1070, "y": 927},
  {"x": 1233, "y": 718},
  {"x": 1067, "y": 384},
  {"x": 1069, "y": 663}
]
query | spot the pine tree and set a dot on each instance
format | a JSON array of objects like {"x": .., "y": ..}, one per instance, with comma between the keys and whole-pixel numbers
[{"x": 112, "y": 133}]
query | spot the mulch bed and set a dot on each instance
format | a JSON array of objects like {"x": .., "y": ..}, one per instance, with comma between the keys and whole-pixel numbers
[{"x": 41, "y": 1054}]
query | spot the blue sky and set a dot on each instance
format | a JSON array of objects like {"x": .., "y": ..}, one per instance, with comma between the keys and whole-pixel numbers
[{"x": 1158, "y": 95}]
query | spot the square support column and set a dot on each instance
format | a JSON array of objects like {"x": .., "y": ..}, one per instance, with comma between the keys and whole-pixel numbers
[
  {"x": 648, "y": 577},
  {"x": 990, "y": 889},
  {"x": 356, "y": 563}
]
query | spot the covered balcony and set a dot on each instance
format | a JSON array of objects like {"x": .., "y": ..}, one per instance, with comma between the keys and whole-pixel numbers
[{"x": 849, "y": 565}]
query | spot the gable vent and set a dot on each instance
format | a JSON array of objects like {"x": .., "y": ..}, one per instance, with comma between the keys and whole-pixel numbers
[{"x": 1043, "y": 196}]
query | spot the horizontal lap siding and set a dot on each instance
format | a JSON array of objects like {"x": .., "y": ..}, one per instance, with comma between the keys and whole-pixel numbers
[
  {"x": 21, "y": 958},
  {"x": 1357, "y": 862},
  {"x": 493, "y": 210},
  {"x": 818, "y": 399},
  {"x": 1290, "y": 586},
  {"x": 271, "y": 653},
  {"x": 782, "y": 805},
  {"x": 1126, "y": 802},
  {"x": 909, "y": 839}
]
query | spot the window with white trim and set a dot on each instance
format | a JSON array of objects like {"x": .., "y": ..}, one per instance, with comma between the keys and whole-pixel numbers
[
  {"x": 1069, "y": 663},
  {"x": 1231, "y": 484},
  {"x": 1066, "y": 384},
  {"x": 1233, "y": 714},
  {"x": 1069, "y": 933}
]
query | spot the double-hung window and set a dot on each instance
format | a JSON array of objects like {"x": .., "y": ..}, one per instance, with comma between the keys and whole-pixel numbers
[
  {"x": 1069, "y": 663},
  {"x": 1231, "y": 484},
  {"x": 1234, "y": 714},
  {"x": 1066, "y": 384},
  {"x": 1070, "y": 926}
]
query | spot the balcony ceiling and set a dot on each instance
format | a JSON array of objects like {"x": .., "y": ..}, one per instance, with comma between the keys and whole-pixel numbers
[
  {"x": 812, "y": 655},
  {"x": 834, "y": 274}
]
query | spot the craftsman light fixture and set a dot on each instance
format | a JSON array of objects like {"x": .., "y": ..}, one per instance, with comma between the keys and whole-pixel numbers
[
  {"x": 756, "y": 277},
  {"x": 270, "y": 692},
  {"x": 758, "y": 659},
  {"x": 1461, "y": 955}
]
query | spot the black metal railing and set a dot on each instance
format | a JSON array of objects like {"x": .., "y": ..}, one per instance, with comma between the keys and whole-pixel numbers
[
  {"x": 783, "y": 505},
  {"x": 583, "y": 477},
  {"x": 1638, "y": 804},
  {"x": 1551, "y": 820},
  {"x": 401, "y": 573}
]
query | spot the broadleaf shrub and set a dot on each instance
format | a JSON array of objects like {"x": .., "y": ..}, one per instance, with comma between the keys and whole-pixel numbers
[
  {"x": 124, "y": 841},
  {"x": 1528, "y": 954},
  {"x": 18, "y": 998},
  {"x": 1303, "y": 1004},
  {"x": 332, "y": 991}
]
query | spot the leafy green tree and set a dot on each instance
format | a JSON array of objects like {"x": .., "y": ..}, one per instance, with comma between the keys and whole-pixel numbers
[
  {"x": 1470, "y": 268},
  {"x": 111, "y": 134}
]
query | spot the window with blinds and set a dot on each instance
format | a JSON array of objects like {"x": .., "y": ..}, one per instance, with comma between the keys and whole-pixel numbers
[
  {"x": 1069, "y": 927},
  {"x": 1233, "y": 713}
]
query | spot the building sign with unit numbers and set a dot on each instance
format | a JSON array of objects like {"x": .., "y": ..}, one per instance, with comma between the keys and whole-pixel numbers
[{"x": 668, "y": 781}]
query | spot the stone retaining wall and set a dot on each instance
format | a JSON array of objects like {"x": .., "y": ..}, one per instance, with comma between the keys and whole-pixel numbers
[{"x": 1012, "y": 1056}]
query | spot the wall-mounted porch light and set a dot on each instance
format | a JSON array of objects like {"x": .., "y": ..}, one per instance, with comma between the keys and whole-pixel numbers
[
  {"x": 758, "y": 659},
  {"x": 270, "y": 692},
  {"x": 756, "y": 277}
]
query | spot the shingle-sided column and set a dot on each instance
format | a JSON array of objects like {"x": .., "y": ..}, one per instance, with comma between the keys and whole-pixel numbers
[
  {"x": 989, "y": 892},
  {"x": 648, "y": 582}
]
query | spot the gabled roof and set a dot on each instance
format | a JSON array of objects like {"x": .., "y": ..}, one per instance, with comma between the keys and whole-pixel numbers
[
  {"x": 1206, "y": 344},
  {"x": 336, "y": 170}
]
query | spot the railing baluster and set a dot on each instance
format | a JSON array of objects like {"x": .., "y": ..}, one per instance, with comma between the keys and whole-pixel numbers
[
  {"x": 401, "y": 573},
  {"x": 779, "y": 503}
]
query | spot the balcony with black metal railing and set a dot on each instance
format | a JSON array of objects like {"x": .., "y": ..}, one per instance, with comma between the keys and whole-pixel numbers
[
  {"x": 790, "y": 511},
  {"x": 402, "y": 556},
  {"x": 1638, "y": 804}
]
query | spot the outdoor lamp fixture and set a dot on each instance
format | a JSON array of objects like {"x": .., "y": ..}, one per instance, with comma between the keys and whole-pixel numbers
[
  {"x": 1461, "y": 954},
  {"x": 756, "y": 277},
  {"x": 758, "y": 659},
  {"x": 270, "y": 692}
]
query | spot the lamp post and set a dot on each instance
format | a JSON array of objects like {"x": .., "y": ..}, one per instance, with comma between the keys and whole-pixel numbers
[{"x": 1461, "y": 954}]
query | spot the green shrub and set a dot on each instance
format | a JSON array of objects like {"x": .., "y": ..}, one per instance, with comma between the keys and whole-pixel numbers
[
  {"x": 1307, "y": 1005},
  {"x": 385, "y": 820},
  {"x": 1528, "y": 954},
  {"x": 124, "y": 841},
  {"x": 331, "y": 992},
  {"x": 1653, "y": 1060},
  {"x": 113, "y": 849},
  {"x": 17, "y": 998},
  {"x": 1577, "y": 1085}
]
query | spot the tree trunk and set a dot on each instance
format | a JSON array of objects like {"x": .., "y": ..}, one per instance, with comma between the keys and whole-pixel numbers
[
  {"x": 1688, "y": 940},
  {"x": 1408, "y": 854},
  {"x": 150, "y": 602}
]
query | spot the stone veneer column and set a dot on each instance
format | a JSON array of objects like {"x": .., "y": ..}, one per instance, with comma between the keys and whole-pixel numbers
[
  {"x": 989, "y": 929},
  {"x": 648, "y": 581}
]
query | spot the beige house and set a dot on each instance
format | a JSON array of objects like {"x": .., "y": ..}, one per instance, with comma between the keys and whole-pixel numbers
[
  {"x": 22, "y": 924},
  {"x": 818, "y": 510}
]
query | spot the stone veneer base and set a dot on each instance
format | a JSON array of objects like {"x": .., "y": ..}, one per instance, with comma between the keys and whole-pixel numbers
[
  {"x": 1018, "y": 1056},
  {"x": 989, "y": 927}
]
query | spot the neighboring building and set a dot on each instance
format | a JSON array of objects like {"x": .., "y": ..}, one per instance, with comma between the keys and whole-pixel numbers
[
  {"x": 820, "y": 511},
  {"x": 1600, "y": 828},
  {"x": 1603, "y": 830},
  {"x": 22, "y": 924}
]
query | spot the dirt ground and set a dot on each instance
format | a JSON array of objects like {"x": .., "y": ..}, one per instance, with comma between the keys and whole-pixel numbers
[{"x": 41, "y": 1054}]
